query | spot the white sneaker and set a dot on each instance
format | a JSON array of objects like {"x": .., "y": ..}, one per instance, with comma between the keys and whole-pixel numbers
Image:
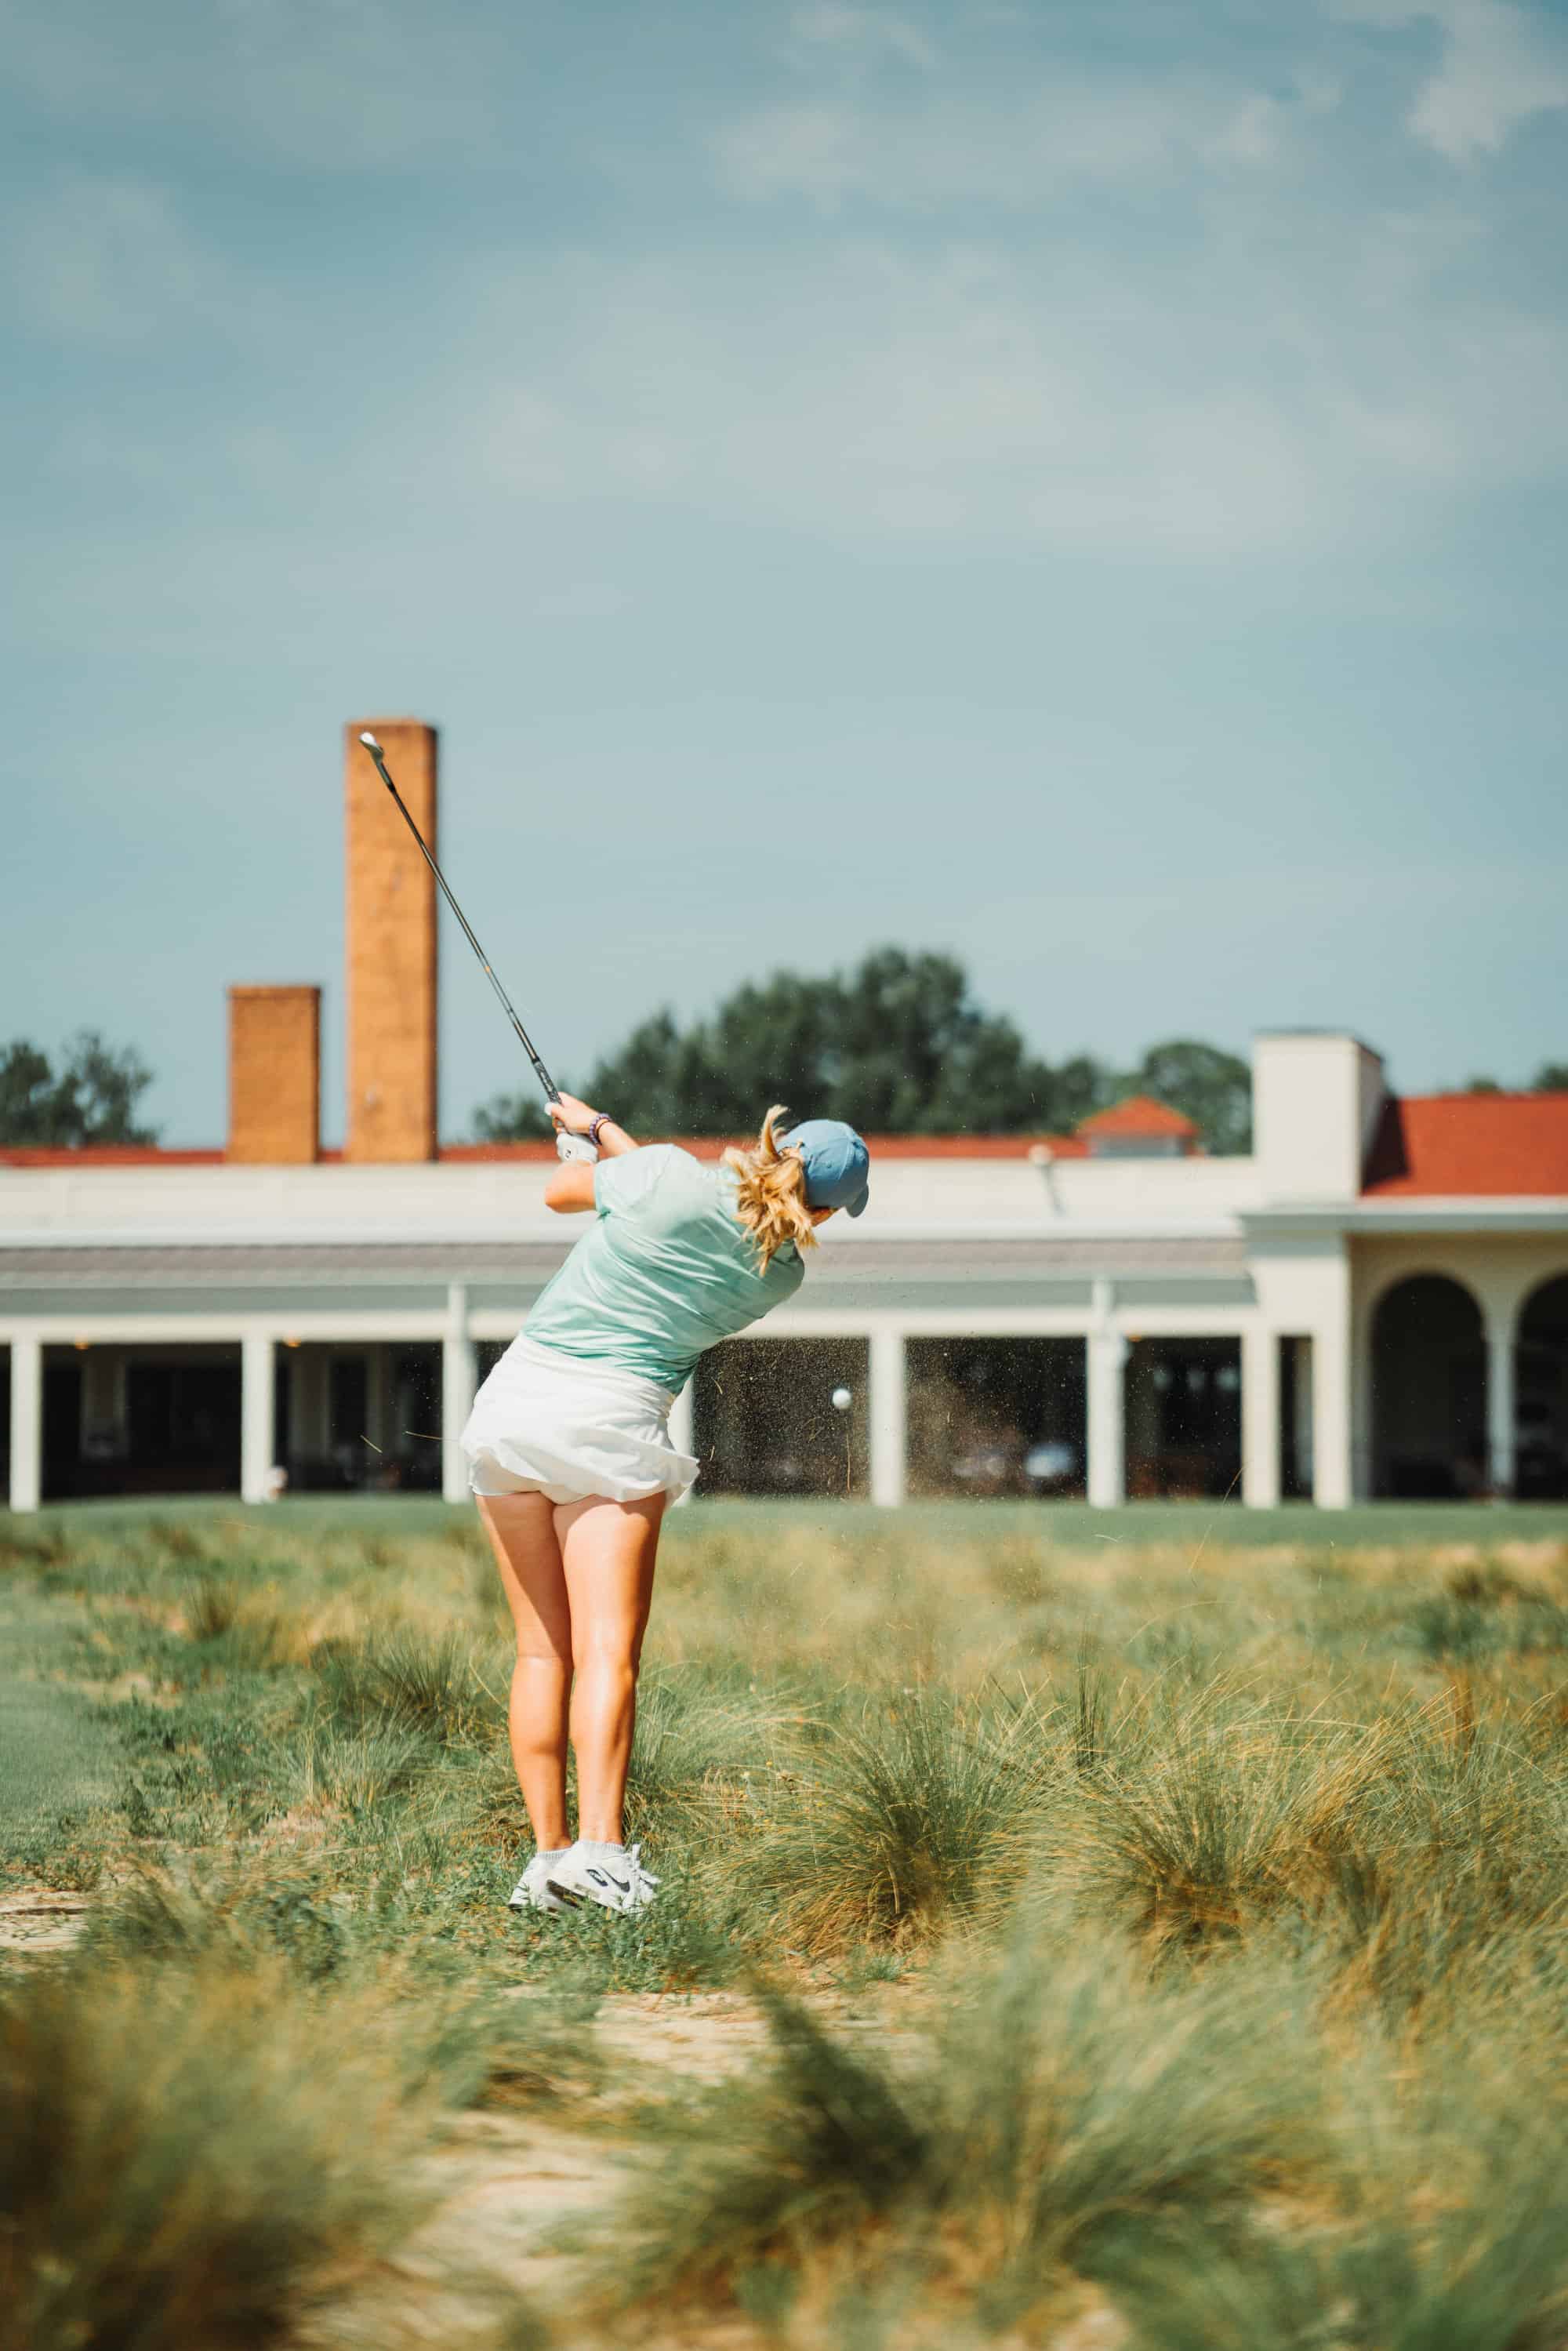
[
  {"x": 617, "y": 1882},
  {"x": 531, "y": 1892}
]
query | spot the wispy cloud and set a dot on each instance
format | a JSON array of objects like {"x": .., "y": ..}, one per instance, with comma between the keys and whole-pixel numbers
[
  {"x": 827, "y": 24},
  {"x": 1500, "y": 65},
  {"x": 357, "y": 86},
  {"x": 1142, "y": 416},
  {"x": 1003, "y": 149},
  {"x": 1210, "y": 310},
  {"x": 1195, "y": 409},
  {"x": 107, "y": 260}
]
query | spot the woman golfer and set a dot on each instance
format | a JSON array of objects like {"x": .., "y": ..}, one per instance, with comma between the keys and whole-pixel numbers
[{"x": 569, "y": 1448}]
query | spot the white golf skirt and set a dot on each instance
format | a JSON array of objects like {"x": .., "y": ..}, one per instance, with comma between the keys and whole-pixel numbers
[{"x": 544, "y": 1423}]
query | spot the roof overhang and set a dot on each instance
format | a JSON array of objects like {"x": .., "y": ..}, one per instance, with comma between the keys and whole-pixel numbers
[
  {"x": 549, "y": 1231},
  {"x": 1521, "y": 1213}
]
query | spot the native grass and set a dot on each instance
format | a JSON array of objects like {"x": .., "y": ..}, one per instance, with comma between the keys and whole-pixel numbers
[{"x": 1067, "y": 1940}]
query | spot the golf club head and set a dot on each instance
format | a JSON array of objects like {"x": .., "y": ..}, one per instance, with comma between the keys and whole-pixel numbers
[{"x": 369, "y": 740}]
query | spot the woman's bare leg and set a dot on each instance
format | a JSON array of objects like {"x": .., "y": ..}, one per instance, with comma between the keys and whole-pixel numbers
[
  {"x": 608, "y": 1550},
  {"x": 522, "y": 1532}
]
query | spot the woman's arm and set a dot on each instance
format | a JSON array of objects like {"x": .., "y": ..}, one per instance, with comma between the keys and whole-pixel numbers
[{"x": 570, "y": 1189}]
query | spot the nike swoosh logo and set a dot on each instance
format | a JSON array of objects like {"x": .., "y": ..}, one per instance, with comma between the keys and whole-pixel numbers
[{"x": 608, "y": 1877}]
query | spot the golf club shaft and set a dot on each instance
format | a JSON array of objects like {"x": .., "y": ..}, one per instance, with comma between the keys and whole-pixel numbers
[{"x": 552, "y": 1092}]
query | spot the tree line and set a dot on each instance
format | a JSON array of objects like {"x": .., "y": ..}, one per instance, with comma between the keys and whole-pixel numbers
[
  {"x": 88, "y": 1095},
  {"x": 897, "y": 1046}
]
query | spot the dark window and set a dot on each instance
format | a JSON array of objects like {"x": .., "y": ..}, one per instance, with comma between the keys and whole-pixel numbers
[
  {"x": 996, "y": 1417},
  {"x": 182, "y": 1421},
  {"x": 1183, "y": 1403},
  {"x": 350, "y": 1393},
  {"x": 766, "y": 1422}
]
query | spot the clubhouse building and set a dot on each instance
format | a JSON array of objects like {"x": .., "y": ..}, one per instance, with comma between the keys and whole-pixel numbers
[{"x": 1374, "y": 1302}]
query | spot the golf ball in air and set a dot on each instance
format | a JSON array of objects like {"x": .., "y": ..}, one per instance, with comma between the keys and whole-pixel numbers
[{"x": 841, "y": 1399}]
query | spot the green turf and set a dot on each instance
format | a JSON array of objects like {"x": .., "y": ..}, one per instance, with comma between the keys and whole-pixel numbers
[
  {"x": 1062, "y": 1522},
  {"x": 59, "y": 1758}
]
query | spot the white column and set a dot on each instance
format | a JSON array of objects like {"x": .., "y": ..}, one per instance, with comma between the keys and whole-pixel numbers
[
  {"x": 256, "y": 1442},
  {"x": 457, "y": 1384},
  {"x": 1106, "y": 1401},
  {"x": 1501, "y": 1417},
  {"x": 1259, "y": 1419},
  {"x": 889, "y": 1420},
  {"x": 683, "y": 1427},
  {"x": 27, "y": 1421},
  {"x": 1333, "y": 1483}
]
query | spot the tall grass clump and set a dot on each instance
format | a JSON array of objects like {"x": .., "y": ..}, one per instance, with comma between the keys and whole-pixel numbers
[
  {"x": 826, "y": 2141},
  {"x": 178, "y": 2167},
  {"x": 895, "y": 1824},
  {"x": 212, "y": 1606},
  {"x": 1217, "y": 1815},
  {"x": 1440, "y": 2218},
  {"x": 462, "y": 2038},
  {"x": 1060, "y": 2109},
  {"x": 696, "y": 1751},
  {"x": 1452, "y": 1865},
  {"x": 435, "y": 1685},
  {"x": 1087, "y": 2109}
]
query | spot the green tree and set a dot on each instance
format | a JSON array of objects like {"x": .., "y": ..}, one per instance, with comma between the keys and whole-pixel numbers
[
  {"x": 1212, "y": 1087},
  {"x": 90, "y": 1097},
  {"x": 1551, "y": 1078},
  {"x": 1079, "y": 1086},
  {"x": 898, "y": 1046},
  {"x": 513, "y": 1118}
]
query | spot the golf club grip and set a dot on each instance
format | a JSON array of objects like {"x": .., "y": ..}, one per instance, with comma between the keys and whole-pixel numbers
[{"x": 575, "y": 1146}]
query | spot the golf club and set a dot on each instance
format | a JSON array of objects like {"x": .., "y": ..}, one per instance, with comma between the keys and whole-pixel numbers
[{"x": 568, "y": 1146}]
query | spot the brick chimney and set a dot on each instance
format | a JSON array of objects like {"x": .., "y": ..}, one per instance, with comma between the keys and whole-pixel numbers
[
  {"x": 391, "y": 945},
  {"x": 275, "y": 1076}
]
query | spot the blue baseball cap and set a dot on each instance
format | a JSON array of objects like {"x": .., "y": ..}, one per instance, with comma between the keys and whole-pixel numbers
[{"x": 837, "y": 1163}]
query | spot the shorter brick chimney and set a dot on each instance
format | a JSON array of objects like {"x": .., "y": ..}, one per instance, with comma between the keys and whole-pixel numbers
[{"x": 275, "y": 1076}]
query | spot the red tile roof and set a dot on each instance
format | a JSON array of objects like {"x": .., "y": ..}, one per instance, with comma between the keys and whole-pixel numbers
[
  {"x": 103, "y": 1154},
  {"x": 1487, "y": 1145},
  {"x": 881, "y": 1146},
  {"x": 1139, "y": 1114}
]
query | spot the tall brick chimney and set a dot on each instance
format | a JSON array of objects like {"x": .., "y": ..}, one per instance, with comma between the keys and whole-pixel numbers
[
  {"x": 389, "y": 946},
  {"x": 275, "y": 1076}
]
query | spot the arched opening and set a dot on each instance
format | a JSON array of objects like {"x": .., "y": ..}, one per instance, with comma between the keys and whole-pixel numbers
[
  {"x": 1428, "y": 1392},
  {"x": 1541, "y": 1460}
]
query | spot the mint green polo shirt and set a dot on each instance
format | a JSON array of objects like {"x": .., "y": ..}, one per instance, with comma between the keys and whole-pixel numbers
[{"x": 666, "y": 1270}]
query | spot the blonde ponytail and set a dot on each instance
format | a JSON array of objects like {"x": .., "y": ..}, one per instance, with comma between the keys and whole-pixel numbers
[{"x": 770, "y": 1192}]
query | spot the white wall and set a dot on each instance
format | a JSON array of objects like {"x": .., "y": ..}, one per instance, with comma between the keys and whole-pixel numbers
[
  {"x": 1315, "y": 1104},
  {"x": 498, "y": 1200}
]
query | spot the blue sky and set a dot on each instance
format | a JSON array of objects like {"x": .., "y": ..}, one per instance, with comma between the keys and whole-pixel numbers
[{"x": 1081, "y": 486}]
